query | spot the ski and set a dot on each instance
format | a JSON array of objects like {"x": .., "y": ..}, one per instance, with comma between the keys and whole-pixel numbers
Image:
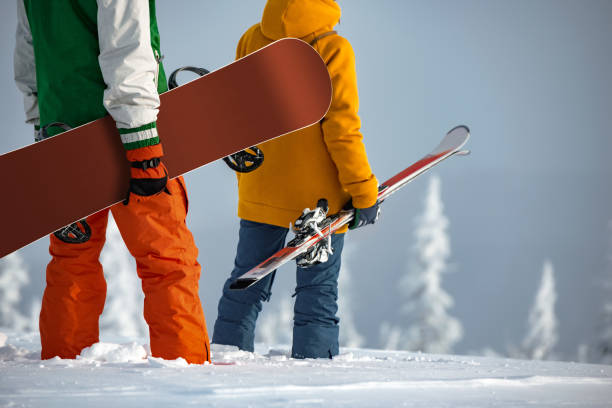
[{"x": 451, "y": 145}]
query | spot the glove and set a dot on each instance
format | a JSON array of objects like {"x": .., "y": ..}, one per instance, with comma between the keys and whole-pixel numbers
[
  {"x": 365, "y": 216},
  {"x": 148, "y": 174}
]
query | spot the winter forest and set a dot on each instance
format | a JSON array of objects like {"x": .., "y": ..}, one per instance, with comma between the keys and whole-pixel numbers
[{"x": 424, "y": 321}]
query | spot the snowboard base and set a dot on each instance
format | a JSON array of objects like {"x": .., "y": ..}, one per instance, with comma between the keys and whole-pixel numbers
[{"x": 278, "y": 89}]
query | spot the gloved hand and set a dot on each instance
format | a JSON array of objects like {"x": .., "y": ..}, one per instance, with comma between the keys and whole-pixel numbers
[
  {"x": 148, "y": 174},
  {"x": 365, "y": 216}
]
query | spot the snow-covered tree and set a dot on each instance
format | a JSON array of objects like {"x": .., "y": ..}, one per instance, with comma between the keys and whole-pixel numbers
[
  {"x": 605, "y": 342},
  {"x": 583, "y": 353},
  {"x": 390, "y": 336},
  {"x": 605, "y": 336},
  {"x": 34, "y": 315},
  {"x": 349, "y": 336},
  {"x": 124, "y": 300},
  {"x": 542, "y": 334},
  {"x": 427, "y": 326},
  {"x": 275, "y": 326},
  {"x": 13, "y": 277}
]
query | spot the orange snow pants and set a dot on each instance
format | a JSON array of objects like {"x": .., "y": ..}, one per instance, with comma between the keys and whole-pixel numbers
[{"x": 155, "y": 233}]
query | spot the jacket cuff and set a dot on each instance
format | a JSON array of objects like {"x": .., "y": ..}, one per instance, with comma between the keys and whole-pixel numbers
[
  {"x": 141, "y": 136},
  {"x": 365, "y": 194},
  {"x": 145, "y": 153}
]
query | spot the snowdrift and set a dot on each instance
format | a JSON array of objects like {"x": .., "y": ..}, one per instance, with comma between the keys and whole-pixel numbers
[{"x": 125, "y": 375}]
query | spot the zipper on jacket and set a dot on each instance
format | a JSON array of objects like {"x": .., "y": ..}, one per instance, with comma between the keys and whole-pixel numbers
[{"x": 158, "y": 59}]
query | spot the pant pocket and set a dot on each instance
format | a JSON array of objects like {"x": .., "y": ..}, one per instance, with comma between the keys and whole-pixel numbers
[{"x": 183, "y": 192}]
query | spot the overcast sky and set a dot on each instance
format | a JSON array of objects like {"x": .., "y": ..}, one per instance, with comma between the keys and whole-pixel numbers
[{"x": 533, "y": 81}]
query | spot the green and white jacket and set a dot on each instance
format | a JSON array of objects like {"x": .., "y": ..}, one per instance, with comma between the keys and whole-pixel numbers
[{"x": 76, "y": 60}]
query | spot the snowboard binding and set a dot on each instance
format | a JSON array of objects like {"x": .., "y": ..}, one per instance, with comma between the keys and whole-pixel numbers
[
  {"x": 43, "y": 133},
  {"x": 78, "y": 232},
  {"x": 243, "y": 161},
  {"x": 172, "y": 83},
  {"x": 312, "y": 221}
]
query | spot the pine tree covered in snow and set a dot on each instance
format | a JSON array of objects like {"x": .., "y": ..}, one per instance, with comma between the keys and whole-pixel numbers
[
  {"x": 124, "y": 298},
  {"x": 605, "y": 336},
  {"x": 605, "y": 342},
  {"x": 275, "y": 326},
  {"x": 13, "y": 277},
  {"x": 426, "y": 326},
  {"x": 389, "y": 336},
  {"x": 34, "y": 315},
  {"x": 349, "y": 336},
  {"x": 542, "y": 334}
]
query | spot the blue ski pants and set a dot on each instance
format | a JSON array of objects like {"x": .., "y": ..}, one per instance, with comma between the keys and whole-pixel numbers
[{"x": 315, "y": 325}]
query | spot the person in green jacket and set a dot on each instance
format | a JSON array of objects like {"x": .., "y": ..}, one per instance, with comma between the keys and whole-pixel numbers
[{"x": 76, "y": 61}]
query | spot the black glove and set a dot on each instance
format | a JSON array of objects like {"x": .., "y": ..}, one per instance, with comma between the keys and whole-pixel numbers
[
  {"x": 148, "y": 176},
  {"x": 365, "y": 216}
]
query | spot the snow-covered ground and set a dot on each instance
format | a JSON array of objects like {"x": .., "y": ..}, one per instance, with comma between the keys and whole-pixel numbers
[{"x": 122, "y": 375}]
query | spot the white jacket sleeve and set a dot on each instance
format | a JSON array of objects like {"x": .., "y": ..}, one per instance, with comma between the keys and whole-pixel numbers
[
  {"x": 129, "y": 68},
  {"x": 24, "y": 66}
]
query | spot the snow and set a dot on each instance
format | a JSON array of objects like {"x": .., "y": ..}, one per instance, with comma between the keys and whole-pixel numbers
[
  {"x": 114, "y": 353},
  {"x": 124, "y": 375}
]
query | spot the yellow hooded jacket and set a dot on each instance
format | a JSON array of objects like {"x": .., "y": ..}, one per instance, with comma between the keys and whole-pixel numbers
[{"x": 325, "y": 160}]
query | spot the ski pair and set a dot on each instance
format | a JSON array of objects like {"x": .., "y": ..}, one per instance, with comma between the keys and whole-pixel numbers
[{"x": 314, "y": 226}]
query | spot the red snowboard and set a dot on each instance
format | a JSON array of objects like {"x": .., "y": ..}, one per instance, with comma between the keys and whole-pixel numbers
[{"x": 273, "y": 91}]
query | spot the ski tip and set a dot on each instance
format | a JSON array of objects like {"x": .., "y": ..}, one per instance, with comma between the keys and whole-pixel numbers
[
  {"x": 459, "y": 129},
  {"x": 454, "y": 140},
  {"x": 239, "y": 284}
]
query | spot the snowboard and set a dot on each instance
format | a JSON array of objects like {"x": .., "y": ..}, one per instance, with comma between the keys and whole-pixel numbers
[
  {"x": 452, "y": 144},
  {"x": 276, "y": 90}
]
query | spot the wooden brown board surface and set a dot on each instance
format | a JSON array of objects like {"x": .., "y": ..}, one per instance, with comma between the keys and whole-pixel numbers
[{"x": 274, "y": 91}]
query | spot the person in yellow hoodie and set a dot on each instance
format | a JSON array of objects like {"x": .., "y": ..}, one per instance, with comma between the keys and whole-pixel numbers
[{"x": 324, "y": 160}]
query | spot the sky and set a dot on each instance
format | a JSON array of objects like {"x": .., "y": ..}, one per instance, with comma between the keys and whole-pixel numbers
[{"x": 532, "y": 80}]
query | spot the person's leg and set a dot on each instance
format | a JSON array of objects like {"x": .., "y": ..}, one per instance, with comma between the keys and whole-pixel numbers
[
  {"x": 75, "y": 293},
  {"x": 156, "y": 234},
  {"x": 238, "y": 309},
  {"x": 315, "y": 329}
]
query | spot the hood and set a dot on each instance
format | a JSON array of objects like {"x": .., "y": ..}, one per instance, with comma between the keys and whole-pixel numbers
[{"x": 298, "y": 18}]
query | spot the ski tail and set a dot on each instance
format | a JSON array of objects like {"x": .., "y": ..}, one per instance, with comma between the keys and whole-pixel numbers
[{"x": 242, "y": 283}]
